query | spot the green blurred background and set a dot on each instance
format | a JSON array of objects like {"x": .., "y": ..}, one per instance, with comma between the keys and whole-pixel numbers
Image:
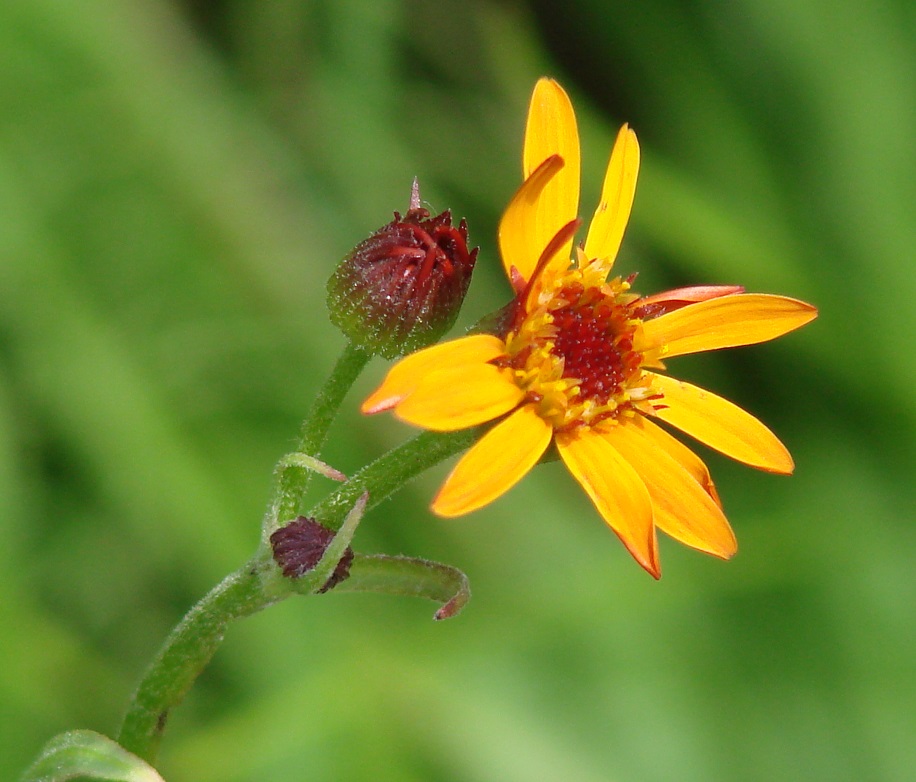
[{"x": 177, "y": 181}]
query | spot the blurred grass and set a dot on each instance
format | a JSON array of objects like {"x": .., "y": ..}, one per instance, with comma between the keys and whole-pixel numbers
[{"x": 177, "y": 182}]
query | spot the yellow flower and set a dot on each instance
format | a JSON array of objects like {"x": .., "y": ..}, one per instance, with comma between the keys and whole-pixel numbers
[{"x": 576, "y": 357}]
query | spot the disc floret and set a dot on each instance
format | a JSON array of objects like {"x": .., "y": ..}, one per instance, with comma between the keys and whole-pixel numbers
[{"x": 573, "y": 353}]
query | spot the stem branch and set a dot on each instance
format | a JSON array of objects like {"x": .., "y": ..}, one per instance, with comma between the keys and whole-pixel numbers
[
  {"x": 194, "y": 641},
  {"x": 390, "y": 472}
]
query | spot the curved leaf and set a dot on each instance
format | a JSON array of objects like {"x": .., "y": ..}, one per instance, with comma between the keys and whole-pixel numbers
[
  {"x": 411, "y": 577},
  {"x": 85, "y": 754}
]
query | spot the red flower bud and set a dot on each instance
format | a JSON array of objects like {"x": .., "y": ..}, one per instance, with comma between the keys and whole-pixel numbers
[
  {"x": 299, "y": 546},
  {"x": 401, "y": 289}
]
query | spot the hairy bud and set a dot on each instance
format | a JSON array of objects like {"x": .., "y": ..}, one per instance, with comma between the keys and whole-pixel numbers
[{"x": 401, "y": 289}]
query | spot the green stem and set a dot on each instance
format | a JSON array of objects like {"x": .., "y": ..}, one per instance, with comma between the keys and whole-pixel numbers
[
  {"x": 390, "y": 472},
  {"x": 314, "y": 429},
  {"x": 192, "y": 644},
  {"x": 186, "y": 652},
  {"x": 294, "y": 481}
]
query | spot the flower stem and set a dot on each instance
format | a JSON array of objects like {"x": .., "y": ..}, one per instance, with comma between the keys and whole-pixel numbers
[
  {"x": 186, "y": 652},
  {"x": 192, "y": 644},
  {"x": 293, "y": 482},
  {"x": 390, "y": 472}
]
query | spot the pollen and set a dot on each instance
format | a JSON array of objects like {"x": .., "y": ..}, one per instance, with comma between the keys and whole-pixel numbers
[{"x": 573, "y": 353}]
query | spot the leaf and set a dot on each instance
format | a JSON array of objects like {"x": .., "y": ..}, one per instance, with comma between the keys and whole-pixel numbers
[
  {"x": 411, "y": 577},
  {"x": 85, "y": 754}
]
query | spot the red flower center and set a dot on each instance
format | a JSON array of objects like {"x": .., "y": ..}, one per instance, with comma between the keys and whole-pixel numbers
[
  {"x": 573, "y": 354},
  {"x": 595, "y": 341}
]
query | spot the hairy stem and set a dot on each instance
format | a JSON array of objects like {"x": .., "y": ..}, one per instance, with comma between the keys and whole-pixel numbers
[
  {"x": 390, "y": 472},
  {"x": 194, "y": 641},
  {"x": 294, "y": 480},
  {"x": 186, "y": 652}
]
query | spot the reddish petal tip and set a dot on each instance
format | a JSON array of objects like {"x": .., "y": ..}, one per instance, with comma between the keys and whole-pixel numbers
[{"x": 371, "y": 407}]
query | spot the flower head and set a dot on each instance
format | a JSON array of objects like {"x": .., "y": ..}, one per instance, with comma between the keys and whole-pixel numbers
[
  {"x": 577, "y": 362},
  {"x": 401, "y": 289}
]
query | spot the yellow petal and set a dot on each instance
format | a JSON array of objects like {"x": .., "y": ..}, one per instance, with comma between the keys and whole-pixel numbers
[
  {"x": 610, "y": 221},
  {"x": 520, "y": 228},
  {"x": 404, "y": 376},
  {"x": 721, "y": 425},
  {"x": 725, "y": 322},
  {"x": 616, "y": 489},
  {"x": 495, "y": 463},
  {"x": 458, "y": 397},
  {"x": 683, "y": 456},
  {"x": 680, "y": 505},
  {"x": 551, "y": 130}
]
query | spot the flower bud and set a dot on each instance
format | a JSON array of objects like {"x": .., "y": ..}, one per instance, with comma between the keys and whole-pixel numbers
[
  {"x": 401, "y": 289},
  {"x": 299, "y": 546}
]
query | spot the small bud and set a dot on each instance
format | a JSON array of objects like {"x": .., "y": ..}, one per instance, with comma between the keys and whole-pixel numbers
[
  {"x": 299, "y": 546},
  {"x": 401, "y": 288}
]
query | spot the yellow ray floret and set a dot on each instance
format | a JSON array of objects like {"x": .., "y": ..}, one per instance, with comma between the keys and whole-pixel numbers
[
  {"x": 692, "y": 463},
  {"x": 721, "y": 425},
  {"x": 610, "y": 220},
  {"x": 446, "y": 400},
  {"x": 724, "y": 322},
  {"x": 403, "y": 378},
  {"x": 551, "y": 130},
  {"x": 680, "y": 505},
  {"x": 616, "y": 490},
  {"x": 495, "y": 464},
  {"x": 518, "y": 227}
]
